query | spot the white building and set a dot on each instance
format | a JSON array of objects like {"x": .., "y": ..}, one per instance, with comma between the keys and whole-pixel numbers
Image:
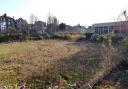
[{"x": 119, "y": 28}]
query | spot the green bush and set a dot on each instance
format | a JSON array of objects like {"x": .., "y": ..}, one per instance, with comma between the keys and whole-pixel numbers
[
  {"x": 68, "y": 36},
  {"x": 116, "y": 39},
  {"x": 125, "y": 41},
  {"x": 124, "y": 46},
  {"x": 93, "y": 38},
  {"x": 45, "y": 36},
  {"x": 107, "y": 38},
  {"x": 51, "y": 36},
  {"x": 88, "y": 36},
  {"x": 33, "y": 37},
  {"x": 104, "y": 38},
  {"x": 4, "y": 38},
  {"x": 56, "y": 36}
]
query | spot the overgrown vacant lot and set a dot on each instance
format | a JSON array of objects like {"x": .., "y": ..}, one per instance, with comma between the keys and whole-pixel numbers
[
  {"x": 117, "y": 79},
  {"x": 48, "y": 63}
]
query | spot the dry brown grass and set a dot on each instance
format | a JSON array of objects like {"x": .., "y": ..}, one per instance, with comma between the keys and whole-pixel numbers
[
  {"x": 20, "y": 61},
  {"x": 40, "y": 63}
]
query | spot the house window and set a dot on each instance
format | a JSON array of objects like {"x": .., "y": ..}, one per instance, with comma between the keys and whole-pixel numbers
[
  {"x": 8, "y": 23},
  {"x": 9, "y": 20},
  {"x": 3, "y": 26},
  {"x": 4, "y": 19}
]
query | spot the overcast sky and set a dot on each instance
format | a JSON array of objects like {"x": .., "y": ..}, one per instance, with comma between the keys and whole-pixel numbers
[{"x": 84, "y": 12}]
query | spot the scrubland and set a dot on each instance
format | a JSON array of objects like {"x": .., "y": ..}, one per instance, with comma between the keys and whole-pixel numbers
[{"x": 53, "y": 63}]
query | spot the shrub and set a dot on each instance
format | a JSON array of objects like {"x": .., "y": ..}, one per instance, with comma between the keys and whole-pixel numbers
[
  {"x": 116, "y": 39},
  {"x": 93, "y": 38},
  {"x": 68, "y": 36},
  {"x": 45, "y": 36},
  {"x": 88, "y": 36},
  {"x": 61, "y": 37},
  {"x": 4, "y": 38},
  {"x": 107, "y": 39},
  {"x": 100, "y": 38},
  {"x": 55, "y": 36},
  {"x": 124, "y": 47},
  {"x": 73, "y": 36},
  {"x": 33, "y": 37},
  {"x": 103, "y": 38}
]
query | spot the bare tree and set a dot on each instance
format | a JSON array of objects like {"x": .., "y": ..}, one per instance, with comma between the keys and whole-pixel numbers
[
  {"x": 49, "y": 19},
  {"x": 55, "y": 24},
  {"x": 33, "y": 18},
  {"x": 123, "y": 16},
  {"x": 24, "y": 28},
  {"x": 52, "y": 24}
]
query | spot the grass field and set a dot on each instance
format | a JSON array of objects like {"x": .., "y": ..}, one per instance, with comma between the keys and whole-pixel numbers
[{"x": 48, "y": 63}]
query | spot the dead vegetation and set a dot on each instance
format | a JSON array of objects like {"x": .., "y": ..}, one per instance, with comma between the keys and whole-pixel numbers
[
  {"x": 52, "y": 63},
  {"x": 117, "y": 79}
]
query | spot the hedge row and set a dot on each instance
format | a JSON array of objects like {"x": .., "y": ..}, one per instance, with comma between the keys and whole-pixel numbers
[
  {"x": 4, "y": 38},
  {"x": 106, "y": 38}
]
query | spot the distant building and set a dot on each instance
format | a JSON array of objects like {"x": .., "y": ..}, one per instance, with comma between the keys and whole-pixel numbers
[
  {"x": 109, "y": 28},
  {"x": 11, "y": 26},
  {"x": 40, "y": 27},
  {"x": 106, "y": 28},
  {"x": 6, "y": 23},
  {"x": 78, "y": 29},
  {"x": 90, "y": 29},
  {"x": 68, "y": 29},
  {"x": 124, "y": 27},
  {"x": 75, "y": 29},
  {"x": 20, "y": 23}
]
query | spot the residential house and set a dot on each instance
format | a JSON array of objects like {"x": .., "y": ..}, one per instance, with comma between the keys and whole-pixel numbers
[
  {"x": 11, "y": 26},
  {"x": 40, "y": 27},
  {"x": 78, "y": 29},
  {"x": 73, "y": 29},
  {"x": 6, "y": 23}
]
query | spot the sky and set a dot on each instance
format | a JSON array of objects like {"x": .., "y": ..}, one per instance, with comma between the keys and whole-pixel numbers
[{"x": 72, "y": 12}]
